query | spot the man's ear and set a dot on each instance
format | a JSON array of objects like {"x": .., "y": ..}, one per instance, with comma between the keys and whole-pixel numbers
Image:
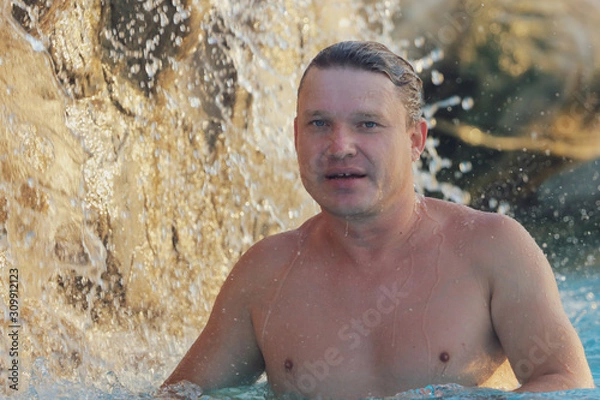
[
  {"x": 296, "y": 133},
  {"x": 418, "y": 138}
]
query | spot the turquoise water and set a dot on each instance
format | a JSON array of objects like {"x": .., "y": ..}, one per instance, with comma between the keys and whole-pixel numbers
[{"x": 581, "y": 298}]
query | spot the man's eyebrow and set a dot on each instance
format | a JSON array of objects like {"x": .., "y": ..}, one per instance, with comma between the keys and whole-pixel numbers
[
  {"x": 314, "y": 113},
  {"x": 367, "y": 115},
  {"x": 364, "y": 114}
]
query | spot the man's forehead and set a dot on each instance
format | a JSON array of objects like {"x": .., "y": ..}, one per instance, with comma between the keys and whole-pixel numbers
[
  {"x": 314, "y": 70},
  {"x": 353, "y": 81},
  {"x": 349, "y": 89}
]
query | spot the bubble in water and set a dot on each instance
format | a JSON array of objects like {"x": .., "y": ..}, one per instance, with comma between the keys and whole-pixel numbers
[
  {"x": 465, "y": 166},
  {"x": 152, "y": 66},
  {"x": 36, "y": 45},
  {"x": 29, "y": 240},
  {"x": 590, "y": 296},
  {"x": 437, "y": 54},
  {"x": 467, "y": 103},
  {"x": 437, "y": 77},
  {"x": 419, "y": 42},
  {"x": 503, "y": 208},
  {"x": 194, "y": 102},
  {"x": 3, "y": 238}
]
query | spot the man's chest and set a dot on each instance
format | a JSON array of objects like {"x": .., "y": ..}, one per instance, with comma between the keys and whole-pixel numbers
[{"x": 388, "y": 337}]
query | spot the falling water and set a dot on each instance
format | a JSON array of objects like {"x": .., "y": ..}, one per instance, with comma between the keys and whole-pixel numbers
[{"x": 145, "y": 146}]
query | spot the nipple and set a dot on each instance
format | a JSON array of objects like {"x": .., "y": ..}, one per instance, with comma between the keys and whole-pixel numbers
[
  {"x": 444, "y": 357},
  {"x": 288, "y": 365}
]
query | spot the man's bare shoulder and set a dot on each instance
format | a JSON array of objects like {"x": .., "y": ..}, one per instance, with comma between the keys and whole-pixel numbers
[
  {"x": 469, "y": 223},
  {"x": 488, "y": 239},
  {"x": 269, "y": 256}
]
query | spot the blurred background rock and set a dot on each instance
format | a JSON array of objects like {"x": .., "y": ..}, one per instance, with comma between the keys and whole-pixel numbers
[{"x": 529, "y": 142}]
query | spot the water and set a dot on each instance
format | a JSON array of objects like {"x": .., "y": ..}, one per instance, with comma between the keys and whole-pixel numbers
[{"x": 142, "y": 155}]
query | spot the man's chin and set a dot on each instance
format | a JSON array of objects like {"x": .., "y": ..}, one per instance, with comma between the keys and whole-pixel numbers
[{"x": 349, "y": 212}]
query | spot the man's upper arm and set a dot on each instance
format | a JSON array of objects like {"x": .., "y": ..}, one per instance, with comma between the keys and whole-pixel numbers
[
  {"x": 528, "y": 317},
  {"x": 226, "y": 354}
]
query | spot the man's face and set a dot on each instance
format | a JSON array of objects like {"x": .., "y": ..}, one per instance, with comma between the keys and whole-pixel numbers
[{"x": 355, "y": 148}]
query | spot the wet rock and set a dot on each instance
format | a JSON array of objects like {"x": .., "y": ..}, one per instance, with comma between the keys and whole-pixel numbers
[
  {"x": 89, "y": 276},
  {"x": 28, "y": 13},
  {"x": 139, "y": 37},
  {"x": 216, "y": 82}
]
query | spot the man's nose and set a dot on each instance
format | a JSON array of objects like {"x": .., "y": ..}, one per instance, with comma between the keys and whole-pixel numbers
[{"x": 341, "y": 143}]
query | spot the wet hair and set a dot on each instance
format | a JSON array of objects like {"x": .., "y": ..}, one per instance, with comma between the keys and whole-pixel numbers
[{"x": 375, "y": 57}]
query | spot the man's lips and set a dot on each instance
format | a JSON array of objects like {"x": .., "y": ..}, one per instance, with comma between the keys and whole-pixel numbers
[{"x": 344, "y": 174}]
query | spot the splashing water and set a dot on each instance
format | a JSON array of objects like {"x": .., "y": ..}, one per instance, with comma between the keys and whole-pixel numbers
[{"x": 145, "y": 146}]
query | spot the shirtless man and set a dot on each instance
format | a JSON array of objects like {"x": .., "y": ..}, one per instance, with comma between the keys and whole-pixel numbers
[{"x": 384, "y": 290}]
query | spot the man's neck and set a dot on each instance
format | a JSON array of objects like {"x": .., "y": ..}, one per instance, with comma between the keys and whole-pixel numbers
[{"x": 365, "y": 240}]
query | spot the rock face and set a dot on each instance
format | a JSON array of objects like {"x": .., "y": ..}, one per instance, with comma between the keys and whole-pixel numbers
[{"x": 145, "y": 145}]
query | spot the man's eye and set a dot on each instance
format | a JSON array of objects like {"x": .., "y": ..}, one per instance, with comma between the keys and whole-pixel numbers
[
  {"x": 318, "y": 122},
  {"x": 369, "y": 124}
]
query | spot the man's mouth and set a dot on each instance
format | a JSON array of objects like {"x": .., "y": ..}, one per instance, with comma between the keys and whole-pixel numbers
[{"x": 345, "y": 176}]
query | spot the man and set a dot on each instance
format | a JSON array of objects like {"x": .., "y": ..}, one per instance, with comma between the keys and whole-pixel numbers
[{"x": 384, "y": 290}]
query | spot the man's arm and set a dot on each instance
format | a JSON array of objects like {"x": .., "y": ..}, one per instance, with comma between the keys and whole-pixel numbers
[
  {"x": 226, "y": 353},
  {"x": 541, "y": 344}
]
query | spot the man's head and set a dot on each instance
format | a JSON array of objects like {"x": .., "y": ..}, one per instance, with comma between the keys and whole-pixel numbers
[
  {"x": 355, "y": 132},
  {"x": 374, "y": 57}
]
